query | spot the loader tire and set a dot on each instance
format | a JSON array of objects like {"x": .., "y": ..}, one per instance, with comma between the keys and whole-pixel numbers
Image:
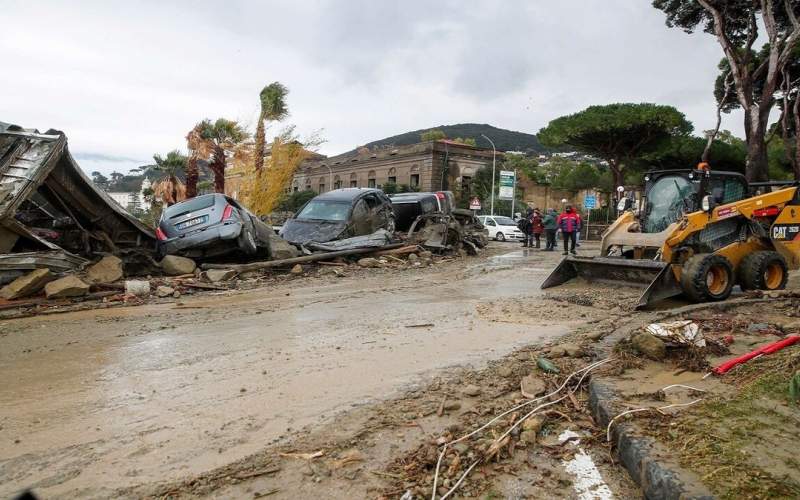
[
  {"x": 765, "y": 270},
  {"x": 707, "y": 277}
]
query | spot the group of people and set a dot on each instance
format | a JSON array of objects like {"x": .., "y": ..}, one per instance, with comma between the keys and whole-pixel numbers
[{"x": 534, "y": 225}]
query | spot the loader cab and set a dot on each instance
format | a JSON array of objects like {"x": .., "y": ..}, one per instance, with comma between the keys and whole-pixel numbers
[{"x": 669, "y": 194}]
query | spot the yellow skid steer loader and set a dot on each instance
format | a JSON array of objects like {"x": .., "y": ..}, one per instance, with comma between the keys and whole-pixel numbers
[{"x": 698, "y": 233}]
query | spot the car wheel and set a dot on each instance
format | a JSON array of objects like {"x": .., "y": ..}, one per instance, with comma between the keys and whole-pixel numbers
[
  {"x": 500, "y": 236},
  {"x": 247, "y": 242},
  {"x": 390, "y": 225}
]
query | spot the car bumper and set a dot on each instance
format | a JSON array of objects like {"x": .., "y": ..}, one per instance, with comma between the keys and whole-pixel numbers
[
  {"x": 201, "y": 239},
  {"x": 515, "y": 236}
]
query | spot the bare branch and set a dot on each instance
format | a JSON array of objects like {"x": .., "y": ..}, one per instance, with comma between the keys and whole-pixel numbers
[{"x": 713, "y": 135}]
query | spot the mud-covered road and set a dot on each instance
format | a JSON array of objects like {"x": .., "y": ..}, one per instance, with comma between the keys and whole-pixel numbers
[{"x": 94, "y": 401}]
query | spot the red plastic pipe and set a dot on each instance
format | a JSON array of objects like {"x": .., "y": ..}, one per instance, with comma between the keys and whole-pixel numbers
[{"x": 766, "y": 349}]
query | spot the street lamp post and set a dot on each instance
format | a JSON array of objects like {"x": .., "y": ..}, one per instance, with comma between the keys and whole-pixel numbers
[
  {"x": 330, "y": 178},
  {"x": 494, "y": 162}
]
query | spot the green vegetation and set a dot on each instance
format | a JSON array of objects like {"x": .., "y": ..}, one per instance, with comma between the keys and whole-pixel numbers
[
  {"x": 432, "y": 135},
  {"x": 292, "y": 202},
  {"x": 618, "y": 133},
  {"x": 504, "y": 140},
  {"x": 220, "y": 135},
  {"x": 273, "y": 108}
]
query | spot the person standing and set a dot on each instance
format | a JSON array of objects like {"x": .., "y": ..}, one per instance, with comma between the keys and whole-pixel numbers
[
  {"x": 570, "y": 223},
  {"x": 550, "y": 227},
  {"x": 537, "y": 227},
  {"x": 524, "y": 225}
]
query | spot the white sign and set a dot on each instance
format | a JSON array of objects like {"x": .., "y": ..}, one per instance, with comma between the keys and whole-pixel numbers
[
  {"x": 475, "y": 203},
  {"x": 507, "y": 182}
]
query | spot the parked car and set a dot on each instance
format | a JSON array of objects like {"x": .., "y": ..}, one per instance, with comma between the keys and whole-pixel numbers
[
  {"x": 408, "y": 206},
  {"x": 339, "y": 214},
  {"x": 501, "y": 228},
  {"x": 208, "y": 226}
]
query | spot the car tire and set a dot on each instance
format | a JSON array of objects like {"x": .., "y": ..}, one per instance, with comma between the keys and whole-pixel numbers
[
  {"x": 500, "y": 236},
  {"x": 247, "y": 242},
  {"x": 707, "y": 277},
  {"x": 764, "y": 270},
  {"x": 390, "y": 225}
]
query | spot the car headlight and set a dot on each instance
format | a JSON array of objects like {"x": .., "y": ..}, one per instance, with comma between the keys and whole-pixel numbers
[{"x": 706, "y": 203}]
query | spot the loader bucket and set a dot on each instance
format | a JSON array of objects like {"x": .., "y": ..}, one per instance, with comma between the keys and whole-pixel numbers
[{"x": 657, "y": 276}]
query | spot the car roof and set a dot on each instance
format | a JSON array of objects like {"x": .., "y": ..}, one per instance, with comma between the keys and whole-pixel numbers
[
  {"x": 411, "y": 196},
  {"x": 346, "y": 194}
]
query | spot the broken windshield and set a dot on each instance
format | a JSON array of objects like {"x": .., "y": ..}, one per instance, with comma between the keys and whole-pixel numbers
[
  {"x": 667, "y": 201},
  {"x": 325, "y": 210}
]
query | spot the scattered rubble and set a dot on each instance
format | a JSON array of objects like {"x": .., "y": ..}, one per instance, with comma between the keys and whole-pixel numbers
[
  {"x": 174, "y": 265},
  {"x": 26, "y": 285},
  {"x": 137, "y": 288},
  {"x": 650, "y": 346},
  {"x": 107, "y": 270}
]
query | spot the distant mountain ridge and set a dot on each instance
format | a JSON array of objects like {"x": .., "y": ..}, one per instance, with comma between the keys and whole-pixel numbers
[{"x": 504, "y": 140}]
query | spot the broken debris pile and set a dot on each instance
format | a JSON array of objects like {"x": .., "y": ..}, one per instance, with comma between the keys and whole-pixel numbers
[{"x": 51, "y": 215}]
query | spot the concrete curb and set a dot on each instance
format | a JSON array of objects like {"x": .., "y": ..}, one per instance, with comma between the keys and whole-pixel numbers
[{"x": 638, "y": 455}]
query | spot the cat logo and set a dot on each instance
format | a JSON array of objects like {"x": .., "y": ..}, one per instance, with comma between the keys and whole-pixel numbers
[{"x": 785, "y": 232}]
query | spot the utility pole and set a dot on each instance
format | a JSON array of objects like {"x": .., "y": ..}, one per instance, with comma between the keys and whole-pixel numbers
[
  {"x": 494, "y": 163},
  {"x": 514, "y": 198},
  {"x": 330, "y": 178}
]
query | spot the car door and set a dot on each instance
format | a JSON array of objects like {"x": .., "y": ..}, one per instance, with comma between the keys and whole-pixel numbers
[{"x": 360, "y": 219}]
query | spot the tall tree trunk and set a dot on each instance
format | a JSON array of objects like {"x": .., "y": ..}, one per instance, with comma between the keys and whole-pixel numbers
[
  {"x": 796, "y": 164},
  {"x": 616, "y": 171},
  {"x": 217, "y": 167},
  {"x": 258, "y": 161},
  {"x": 192, "y": 175},
  {"x": 757, "y": 162}
]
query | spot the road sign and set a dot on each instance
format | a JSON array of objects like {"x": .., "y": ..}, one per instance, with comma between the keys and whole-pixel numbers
[
  {"x": 590, "y": 201},
  {"x": 475, "y": 203},
  {"x": 507, "y": 178}
]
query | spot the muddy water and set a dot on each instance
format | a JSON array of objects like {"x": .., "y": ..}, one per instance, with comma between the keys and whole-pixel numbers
[{"x": 97, "y": 400}]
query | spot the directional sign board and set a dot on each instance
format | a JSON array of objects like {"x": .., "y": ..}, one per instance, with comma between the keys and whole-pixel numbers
[
  {"x": 590, "y": 201},
  {"x": 506, "y": 185}
]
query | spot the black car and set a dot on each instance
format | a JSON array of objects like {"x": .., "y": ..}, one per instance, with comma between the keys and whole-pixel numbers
[
  {"x": 408, "y": 206},
  {"x": 339, "y": 214}
]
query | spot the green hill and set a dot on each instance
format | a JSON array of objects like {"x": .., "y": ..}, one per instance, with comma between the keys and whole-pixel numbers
[{"x": 504, "y": 140}]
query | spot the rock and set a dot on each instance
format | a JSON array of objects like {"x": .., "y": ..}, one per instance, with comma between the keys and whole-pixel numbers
[
  {"x": 369, "y": 262},
  {"x": 650, "y": 346},
  {"x": 164, "y": 291},
  {"x": 279, "y": 248},
  {"x": 68, "y": 286},
  {"x": 471, "y": 391},
  {"x": 426, "y": 255},
  {"x": 532, "y": 386},
  {"x": 217, "y": 275},
  {"x": 27, "y": 284},
  {"x": 528, "y": 437},
  {"x": 595, "y": 336},
  {"x": 297, "y": 269},
  {"x": 757, "y": 327},
  {"x": 139, "y": 288},
  {"x": 565, "y": 350},
  {"x": 452, "y": 405},
  {"x": 533, "y": 424},
  {"x": 176, "y": 294},
  {"x": 174, "y": 265},
  {"x": 505, "y": 371},
  {"x": 412, "y": 257},
  {"x": 106, "y": 270}
]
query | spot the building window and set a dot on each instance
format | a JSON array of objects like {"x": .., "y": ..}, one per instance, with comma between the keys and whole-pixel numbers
[
  {"x": 322, "y": 188},
  {"x": 353, "y": 184},
  {"x": 371, "y": 183},
  {"x": 353, "y": 180},
  {"x": 392, "y": 180},
  {"x": 414, "y": 180},
  {"x": 308, "y": 187},
  {"x": 466, "y": 184},
  {"x": 337, "y": 185}
]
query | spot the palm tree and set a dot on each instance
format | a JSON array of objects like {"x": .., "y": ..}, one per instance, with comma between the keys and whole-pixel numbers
[
  {"x": 273, "y": 108},
  {"x": 221, "y": 135},
  {"x": 169, "y": 188},
  {"x": 199, "y": 149}
]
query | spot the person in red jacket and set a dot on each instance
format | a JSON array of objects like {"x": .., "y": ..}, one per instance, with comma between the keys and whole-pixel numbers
[
  {"x": 570, "y": 223},
  {"x": 537, "y": 226}
]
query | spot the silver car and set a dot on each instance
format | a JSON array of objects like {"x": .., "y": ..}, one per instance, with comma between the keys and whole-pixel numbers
[{"x": 208, "y": 226}]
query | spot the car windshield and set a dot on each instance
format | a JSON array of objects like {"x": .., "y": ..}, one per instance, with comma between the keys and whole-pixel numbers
[
  {"x": 667, "y": 201},
  {"x": 505, "y": 221},
  {"x": 325, "y": 210}
]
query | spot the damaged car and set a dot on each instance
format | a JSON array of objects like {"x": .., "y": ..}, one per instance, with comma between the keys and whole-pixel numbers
[
  {"x": 340, "y": 214},
  {"x": 408, "y": 206},
  {"x": 210, "y": 225}
]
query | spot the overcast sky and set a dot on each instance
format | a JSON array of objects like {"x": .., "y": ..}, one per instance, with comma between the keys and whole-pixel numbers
[{"x": 126, "y": 79}]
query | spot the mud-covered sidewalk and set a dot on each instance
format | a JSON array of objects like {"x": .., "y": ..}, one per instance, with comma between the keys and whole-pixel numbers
[{"x": 98, "y": 400}]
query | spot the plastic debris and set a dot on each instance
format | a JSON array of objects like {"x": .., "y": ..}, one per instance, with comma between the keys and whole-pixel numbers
[
  {"x": 546, "y": 365},
  {"x": 766, "y": 349},
  {"x": 680, "y": 333}
]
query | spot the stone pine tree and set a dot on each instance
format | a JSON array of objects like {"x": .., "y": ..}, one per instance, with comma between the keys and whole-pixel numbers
[
  {"x": 617, "y": 133},
  {"x": 169, "y": 188},
  {"x": 736, "y": 25},
  {"x": 273, "y": 108}
]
